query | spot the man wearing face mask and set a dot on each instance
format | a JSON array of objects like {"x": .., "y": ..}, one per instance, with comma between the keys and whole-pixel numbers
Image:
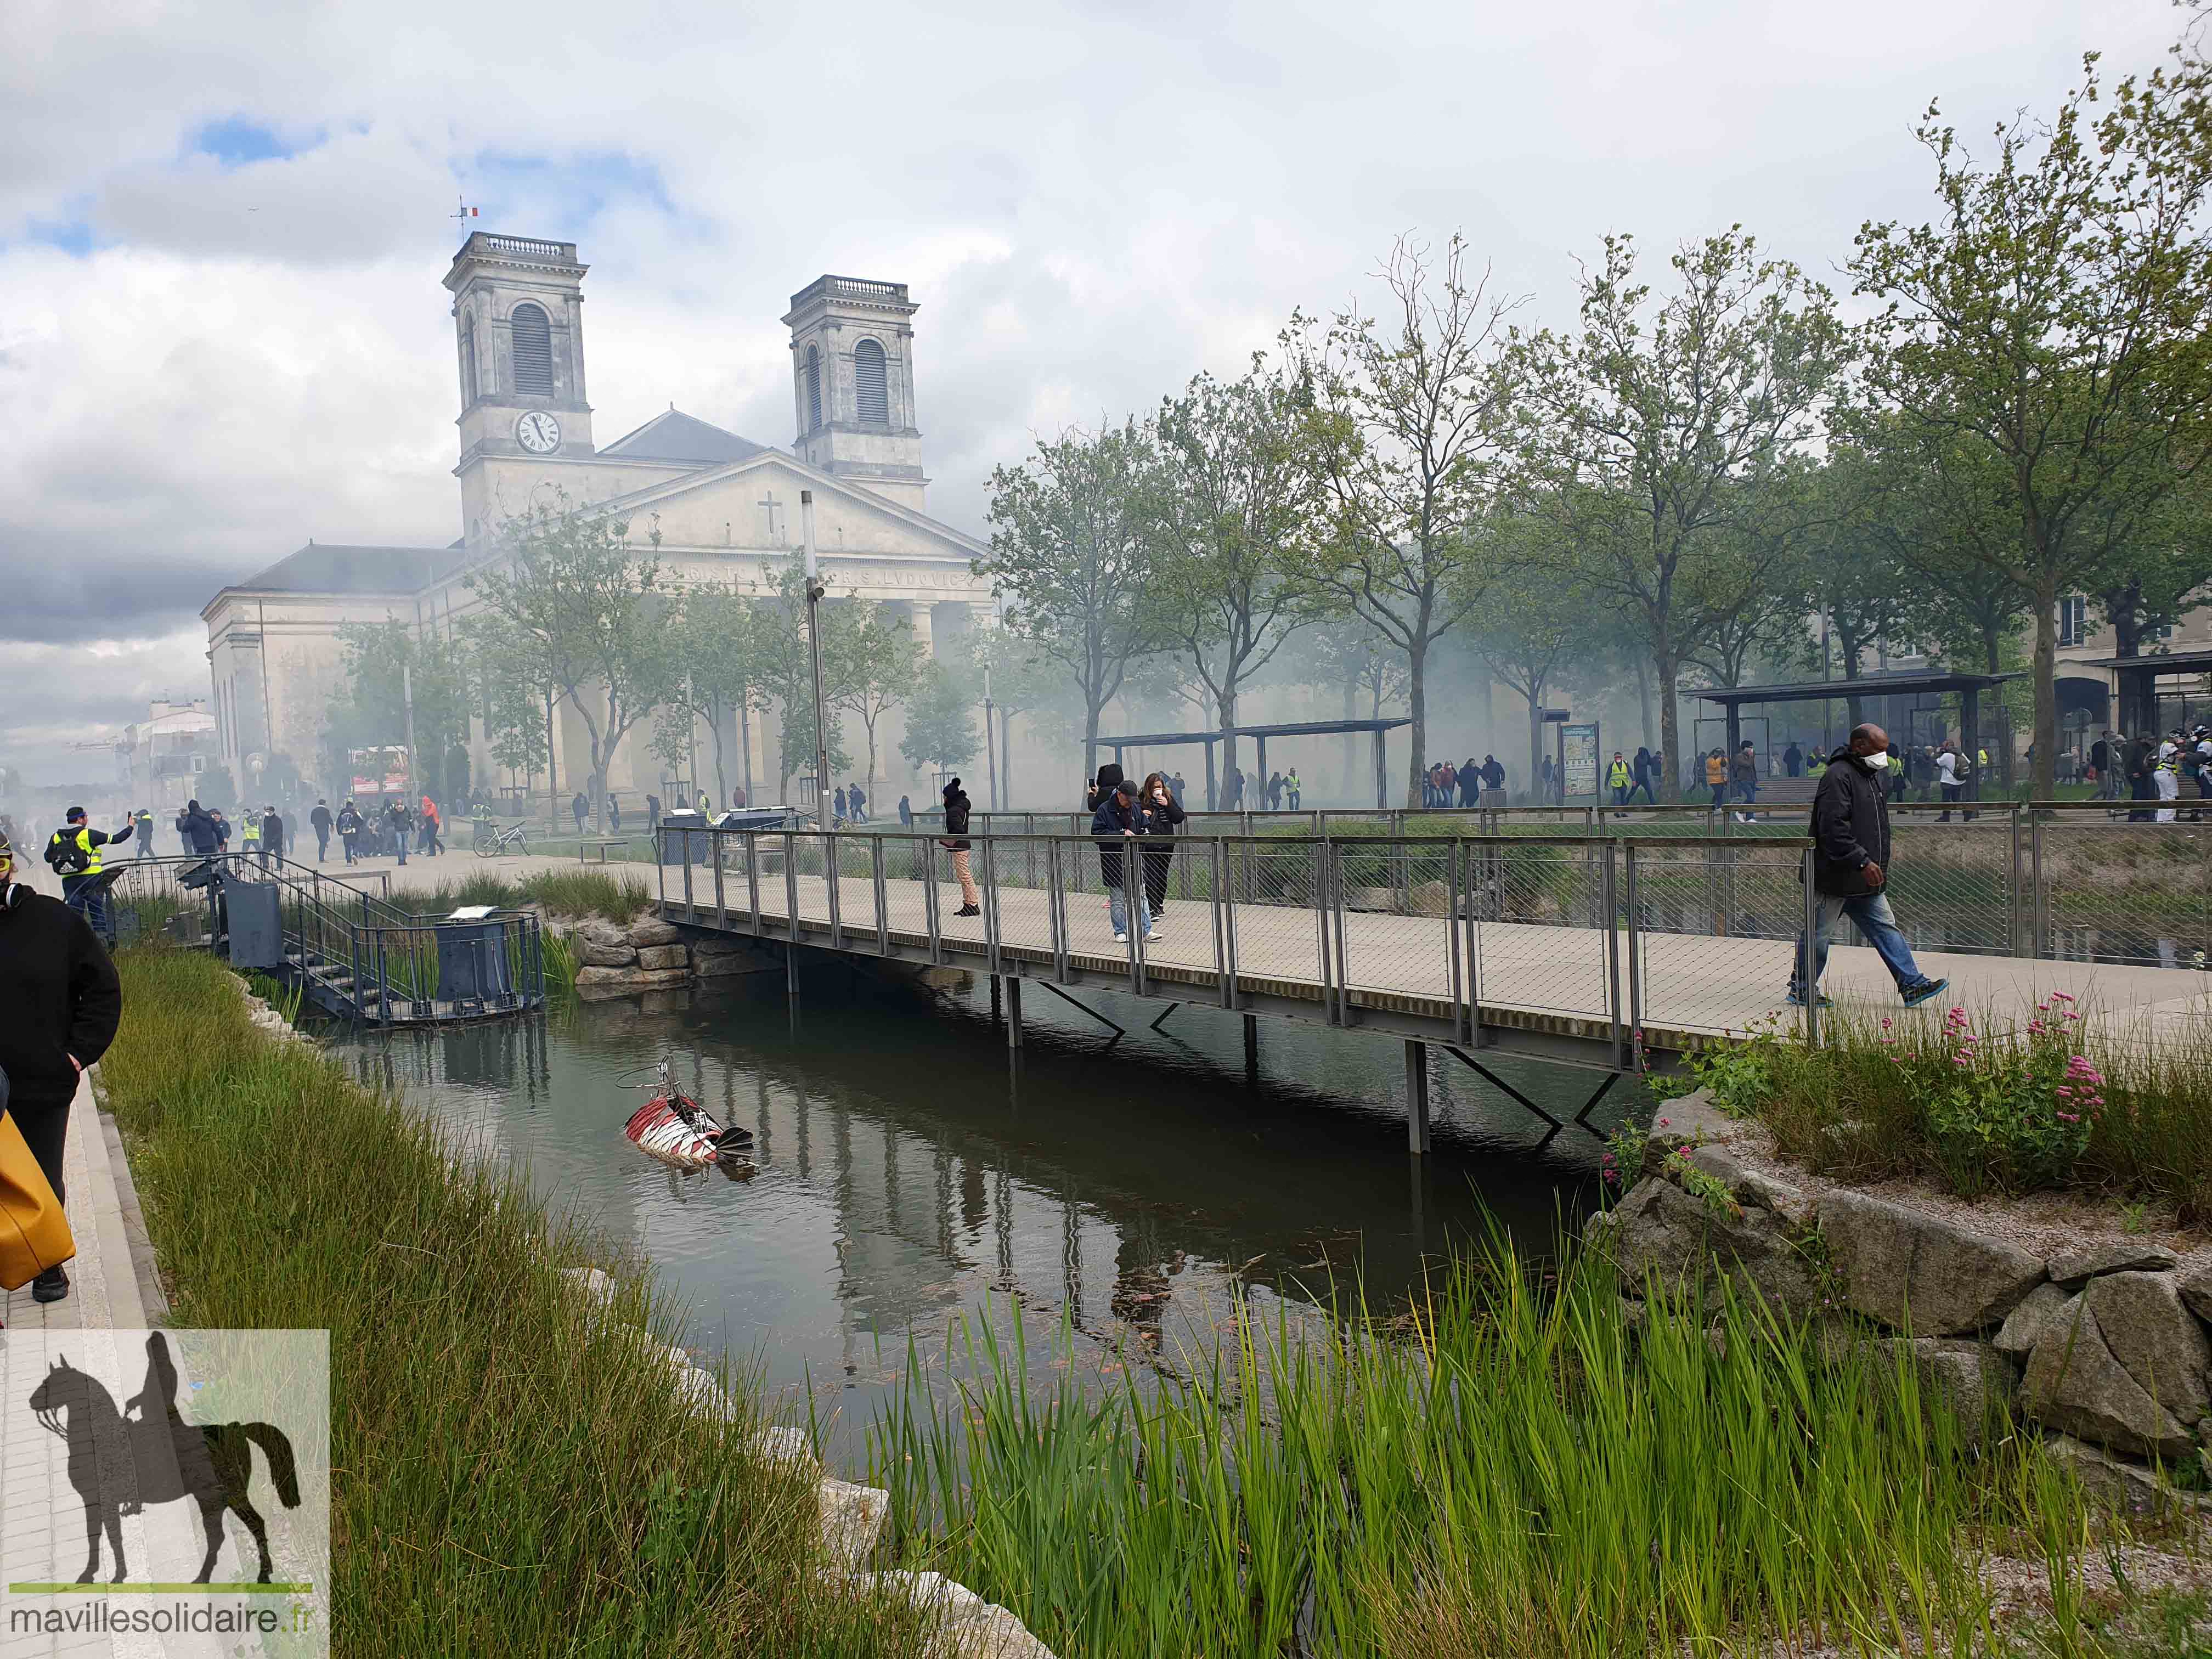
[
  {"x": 1850, "y": 860},
  {"x": 63, "y": 1003}
]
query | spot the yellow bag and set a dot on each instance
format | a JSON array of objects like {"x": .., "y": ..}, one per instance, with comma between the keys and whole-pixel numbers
[{"x": 35, "y": 1234}]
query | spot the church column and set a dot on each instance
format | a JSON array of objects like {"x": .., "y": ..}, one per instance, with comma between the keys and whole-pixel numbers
[
  {"x": 949, "y": 619},
  {"x": 917, "y": 612}
]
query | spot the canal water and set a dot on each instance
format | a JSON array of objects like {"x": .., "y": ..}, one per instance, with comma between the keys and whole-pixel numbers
[{"x": 1128, "y": 1189}]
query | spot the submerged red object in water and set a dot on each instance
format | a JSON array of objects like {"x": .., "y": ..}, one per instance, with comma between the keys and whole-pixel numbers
[{"x": 681, "y": 1132}]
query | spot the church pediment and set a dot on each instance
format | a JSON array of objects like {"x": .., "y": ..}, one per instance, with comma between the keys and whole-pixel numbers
[{"x": 753, "y": 504}]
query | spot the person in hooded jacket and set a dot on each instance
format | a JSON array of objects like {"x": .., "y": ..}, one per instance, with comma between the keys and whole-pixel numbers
[
  {"x": 197, "y": 830},
  {"x": 957, "y": 807},
  {"x": 1159, "y": 840},
  {"x": 1851, "y": 869},
  {"x": 349, "y": 828},
  {"x": 1101, "y": 789},
  {"x": 320, "y": 821}
]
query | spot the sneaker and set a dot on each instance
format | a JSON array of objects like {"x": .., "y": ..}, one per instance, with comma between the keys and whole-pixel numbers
[
  {"x": 1151, "y": 939},
  {"x": 1797, "y": 998},
  {"x": 1120, "y": 938},
  {"x": 50, "y": 1286},
  {"x": 1927, "y": 988},
  {"x": 969, "y": 910}
]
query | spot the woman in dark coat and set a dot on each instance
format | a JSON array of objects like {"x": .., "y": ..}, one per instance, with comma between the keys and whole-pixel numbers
[{"x": 1159, "y": 838}]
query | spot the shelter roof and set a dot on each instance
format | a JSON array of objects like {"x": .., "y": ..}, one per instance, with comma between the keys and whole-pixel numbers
[
  {"x": 1297, "y": 729},
  {"x": 2164, "y": 662},
  {"x": 1927, "y": 682}
]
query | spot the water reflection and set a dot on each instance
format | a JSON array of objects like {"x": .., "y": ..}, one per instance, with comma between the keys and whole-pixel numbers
[{"x": 910, "y": 1167}]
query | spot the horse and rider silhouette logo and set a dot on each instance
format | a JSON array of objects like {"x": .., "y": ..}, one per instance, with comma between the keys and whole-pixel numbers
[{"x": 167, "y": 1458}]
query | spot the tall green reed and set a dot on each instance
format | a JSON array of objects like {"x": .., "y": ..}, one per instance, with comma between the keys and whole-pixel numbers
[{"x": 1530, "y": 1473}]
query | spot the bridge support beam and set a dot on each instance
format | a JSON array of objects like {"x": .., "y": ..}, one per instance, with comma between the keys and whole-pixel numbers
[
  {"x": 1252, "y": 1050},
  {"x": 1013, "y": 1012},
  {"x": 791, "y": 971},
  {"x": 1416, "y": 1095}
]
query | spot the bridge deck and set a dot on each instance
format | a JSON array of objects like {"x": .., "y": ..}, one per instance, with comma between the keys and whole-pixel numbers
[{"x": 1537, "y": 989}]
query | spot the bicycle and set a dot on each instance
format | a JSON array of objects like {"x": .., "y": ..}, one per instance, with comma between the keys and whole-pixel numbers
[{"x": 492, "y": 841}]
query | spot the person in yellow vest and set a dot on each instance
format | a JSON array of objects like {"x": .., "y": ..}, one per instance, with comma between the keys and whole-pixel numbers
[
  {"x": 74, "y": 853},
  {"x": 249, "y": 837},
  {"x": 1716, "y": 775},
  {"x": 1617, "y": 776}
]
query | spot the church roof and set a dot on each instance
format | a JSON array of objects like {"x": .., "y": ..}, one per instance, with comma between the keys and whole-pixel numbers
[
  {"x": 331, "y": 567},
  {"x": 676, "y": 436}
]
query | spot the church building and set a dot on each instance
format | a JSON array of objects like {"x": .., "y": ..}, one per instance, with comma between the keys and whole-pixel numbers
[{"x": 725, "y": 507}]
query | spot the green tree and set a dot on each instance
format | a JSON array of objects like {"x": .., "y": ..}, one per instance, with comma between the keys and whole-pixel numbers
[
  {"x": 1532, "y": 631},
  {"x": 1070, "y": 557},
  {"x": 1022, "y": 682},
  {"x": 1236, "y": 495},
  {"x": 384, "y": 662},
  {"x": 586, "y": 612},
  {"x": 2051, "y": 322},
  {"x": 940, "y": 725},
  {"x": 880, "y": 658},
  {"x": 515, "y": 707},
  {"x": 1407, "y": 436},
  {"x": 1659, "y": 433}
]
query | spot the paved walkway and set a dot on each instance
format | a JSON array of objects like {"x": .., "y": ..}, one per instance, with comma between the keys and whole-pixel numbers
[{"x": 1692, "y": 985}]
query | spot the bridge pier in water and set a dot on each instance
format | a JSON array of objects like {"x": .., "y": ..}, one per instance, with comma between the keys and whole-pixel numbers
[{"x": 1417, "y": 1095}]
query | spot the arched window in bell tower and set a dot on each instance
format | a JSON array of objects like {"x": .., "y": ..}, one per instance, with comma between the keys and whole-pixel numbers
[
  {"x": 814, "y": 389},
  {"x": 872, "y": 384},
  {"x": 534, "y": 350},
  {"x": 468, "y": 364}
]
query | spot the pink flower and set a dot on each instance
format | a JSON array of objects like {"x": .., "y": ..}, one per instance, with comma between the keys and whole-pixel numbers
[
  {"x": 2060, "y": 996},
  {"x": 1663, "y": 1123}
]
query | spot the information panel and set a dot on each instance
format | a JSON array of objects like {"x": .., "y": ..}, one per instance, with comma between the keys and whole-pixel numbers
[{"x": 1578, "y": 746}]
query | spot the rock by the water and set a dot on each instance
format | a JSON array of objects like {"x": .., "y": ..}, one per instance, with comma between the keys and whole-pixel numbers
[
  {"x": 2074, "y": 1268},
  {"x": 600, "y": 931},
  {"x": 651, "y": 930},
  {"x": 595, "y": 954},
  {"x": 2074, "y": 1383},
  {"x": 2116, "y": 1482},
  {"x": 594, "y": 1282},
  {"x": 658, "y": 959},
  {"x": 852, "y": 1520},
  {"x": 596, "y": 982},
  {"x": 2195, "y": 1283},
  {"x": 2025, "y": 1325},
  {"x": 1659, "y": 1232},
  {"x": 1922, "y": 1272},
  {"x": 2157, "y": 1339}
]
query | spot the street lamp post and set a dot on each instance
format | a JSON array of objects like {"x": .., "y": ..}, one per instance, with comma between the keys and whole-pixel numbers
[
  {"x": 990, "y": 754},
  {"x": 814, "y": 591}
]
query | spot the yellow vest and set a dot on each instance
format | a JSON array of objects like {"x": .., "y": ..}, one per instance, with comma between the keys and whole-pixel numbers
[
  {"x": 253, "y": 829},
  {"x": 93, "y": 867},
  {"x": 1619, "y": 775}
]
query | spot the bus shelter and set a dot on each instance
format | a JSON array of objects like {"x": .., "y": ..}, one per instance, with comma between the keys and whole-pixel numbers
[
  {"x": 1934, "y": 682},
  {"x": 1260, "y": 734}
]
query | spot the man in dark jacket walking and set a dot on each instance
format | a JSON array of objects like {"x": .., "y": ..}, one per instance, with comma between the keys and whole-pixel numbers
[
  {"x": 349, "y": 828},
  {"x": 1850, "y": 868},
  {"x": 320, "y": 821},
  {"x": 63, "y": 1003},
  {"x": 196, "y": 829},
  {"x": 272, "y": 837}
]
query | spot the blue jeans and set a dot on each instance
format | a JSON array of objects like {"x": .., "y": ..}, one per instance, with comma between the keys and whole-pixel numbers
[
  {"x": 89, "y": 899},
  {"x": 1870, "y": 915},
  {"x": 1117, "y": 905}
]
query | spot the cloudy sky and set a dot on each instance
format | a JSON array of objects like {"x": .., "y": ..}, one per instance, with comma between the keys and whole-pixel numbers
[{"x": 222, "y": 227}]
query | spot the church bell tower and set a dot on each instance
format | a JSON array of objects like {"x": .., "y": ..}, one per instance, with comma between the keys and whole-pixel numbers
[
  {"x": 519, "y": 329},
  {"x": 852, "y": 366}
]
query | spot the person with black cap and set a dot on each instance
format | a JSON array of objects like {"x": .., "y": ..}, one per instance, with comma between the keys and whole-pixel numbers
[
  {"x": 1122, "y": 816},
  {"x": 74, "y": 853},
  {"x": 63, "y": 1003},
  {"x": 320, "y": 821},
  {"x": 197, "y": 831},
  {"x": 956, "y": 806}
]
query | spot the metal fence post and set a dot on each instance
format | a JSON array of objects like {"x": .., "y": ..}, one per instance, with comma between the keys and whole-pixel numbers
[
  {"x": 2038, "y": 911},
  {"x": 687, "y": 884},
  {"x": 721, "y": 897},
  {"x": 1611, "y": 899},
  {"x": 1452, "y": 972},
  {"x": 1808, "y": 985},
  {"x": 791, "y": 885},
  {"x": 753, "y": 880},
  {"x": 990, "y": 904},
  {"x": 829, "y": 884},
  {"x": 883, "y": 898},
  {"x": 2012, "y": 883},
  {"x": 1635, "y": 944},
  {"x": 1133, "y": 893},
  {"x": 1318, "y": 883},
  {"x": 1056, "y": 912},
  {"x": 930, "y": 906},
  {"x": 1215, "y": 917}
]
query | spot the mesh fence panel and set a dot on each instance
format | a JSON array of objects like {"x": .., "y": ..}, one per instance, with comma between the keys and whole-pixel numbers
[
  {"x": 1715, "y": 927},
  {"x": 1952, "y": 885},
  {"x": 1536, "y": 939},
  {"x": 2115, "y": 889},
  {"x": 1276, "y": 888},
  {"x": 1397, "y": 900},
  {"x": 1024, "y": 908}
]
